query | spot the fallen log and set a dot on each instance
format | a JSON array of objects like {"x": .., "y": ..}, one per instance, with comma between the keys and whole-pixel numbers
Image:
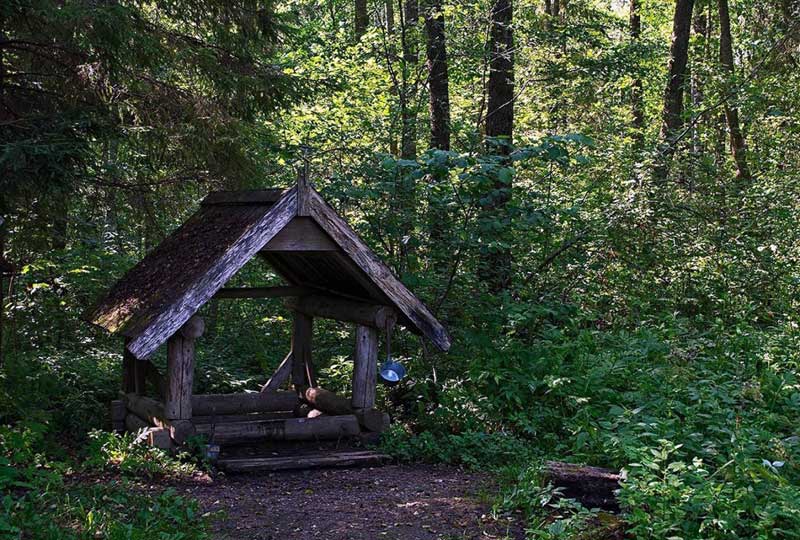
[
  {"x": 218, "y": 404},
  {"x": 327, "y": 401},
  {"x": 293, "y": 429},
  {"x": 593, "y": 487}
]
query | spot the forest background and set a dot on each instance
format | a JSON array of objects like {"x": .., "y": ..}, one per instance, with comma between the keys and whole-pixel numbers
[{"x": 599, "y": 199}]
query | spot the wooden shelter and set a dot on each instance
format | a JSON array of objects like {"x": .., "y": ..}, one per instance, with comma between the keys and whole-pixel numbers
[{"x": 329, "y": 272}]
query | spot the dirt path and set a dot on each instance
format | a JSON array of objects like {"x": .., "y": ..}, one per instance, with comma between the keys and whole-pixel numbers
[{"x": 396, "y": 502}]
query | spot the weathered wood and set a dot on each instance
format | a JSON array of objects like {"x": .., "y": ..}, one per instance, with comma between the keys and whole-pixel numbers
[
  {"x": 331, "y": 307},
  {"x": 134, "y": 424},
  {"x": 327, "y": 401},
  {"x": 152, "y": 412},
  {"x": 280, "y": 375},
  {"x": 118, "y": 412},
  {"x": 180, "y": 378},
  {"x": 244, "y": 197},
  {"x": 592, "y": 486},
  {"x": 172, "y": 316},
  {"x": 372, "y": 266},
  {"x": 373, "y": 420},
  {"x": 262, "y": 292},
  {"x": 193, "y": 328},
  {"x": 293, "y": 429},
  {"x": 301, "y": 234},
  {"x": 220, "y": 404},
  {"x": 153, "y": 436},
  {"x": 148, "y": 409},
  {"x": 303, "y": 189},
  {"x": 247, "y": 417},
  {"x": 302, "y": 366},
  {"x": 365, "y": 367},
  {"x": 364, "y": 458}
]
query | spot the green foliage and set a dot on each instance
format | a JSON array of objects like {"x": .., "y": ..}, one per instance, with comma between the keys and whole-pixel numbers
[{"x": 48, "y": 499}]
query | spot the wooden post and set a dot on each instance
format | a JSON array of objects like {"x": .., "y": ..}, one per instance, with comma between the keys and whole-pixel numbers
[
  {"x": 365, "y": 368},
  {"x": 302, "y": 366},
  {"x": 180, "y": 370},
  {"x": 128, "y": 369},
  {"x": 139, "y": 376}
]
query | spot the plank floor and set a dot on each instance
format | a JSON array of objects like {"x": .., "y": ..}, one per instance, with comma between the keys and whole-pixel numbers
[{"x": 306, "y": 460}]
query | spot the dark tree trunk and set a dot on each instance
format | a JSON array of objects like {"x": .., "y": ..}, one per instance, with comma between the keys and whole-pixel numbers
[
  {"x": 737, "y": 142},
  {"x": 500, "y": 113},
  {"x": 495, "y": 267},
  {"x": 637, "y": 104},
  {"x": 438, "y": 78},
  {"x": 700, "y": 27},
  {"x": 361, "y": 18},
  {"x": 672, "y": 115},
  {"x": 408, "y": 146}
]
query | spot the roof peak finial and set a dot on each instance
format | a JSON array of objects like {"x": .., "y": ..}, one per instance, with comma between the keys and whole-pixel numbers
[{"x": 303, "y": 184}]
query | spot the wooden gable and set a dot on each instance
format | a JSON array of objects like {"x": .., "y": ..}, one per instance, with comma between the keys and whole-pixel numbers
[{"x": 310, "y": 247}]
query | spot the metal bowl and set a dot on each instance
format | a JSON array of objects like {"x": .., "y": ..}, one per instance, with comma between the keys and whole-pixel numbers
[{"x": 392, "y": 372}]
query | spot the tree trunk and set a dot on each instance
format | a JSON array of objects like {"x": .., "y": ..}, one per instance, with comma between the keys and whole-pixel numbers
[
  {"x": 495, "y": 264},
  {"x": 361, "y": 18},
  {"x": 737, "y": 142},
  {"x": 500, "y": 114},
  {"x": 672, "y": 115},
  {"x": 700, "y": 27},
  {"x": 438, "y": 78},
  {"x": 408, "y": 144},
  {"x": 637, "y": 103}
]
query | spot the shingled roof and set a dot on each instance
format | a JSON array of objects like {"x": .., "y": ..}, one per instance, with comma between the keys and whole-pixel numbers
[{"x": 156, "y": 297}]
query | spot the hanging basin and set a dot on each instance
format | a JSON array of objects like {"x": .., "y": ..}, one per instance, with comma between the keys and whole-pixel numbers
[{"x": 392, "y": 372}]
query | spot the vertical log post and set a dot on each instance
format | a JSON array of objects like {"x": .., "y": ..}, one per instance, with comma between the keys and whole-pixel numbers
[
  {"x": 302, "y": 367},
  {"x": 365, "y": 368},
  {"x": 180, "y": 370},
  {"x": 128, "y": 370}
]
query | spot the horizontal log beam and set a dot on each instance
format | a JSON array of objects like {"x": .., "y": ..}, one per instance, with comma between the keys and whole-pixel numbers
[
  {"x": 261, "y": 292},
  {"x": 151, "y": 412},
  {"x": 293, "y": 429},
  {"x": 330, "y": 307},
  {"x": 218, "y": 404},
  {"x": 234, "y": 418}
]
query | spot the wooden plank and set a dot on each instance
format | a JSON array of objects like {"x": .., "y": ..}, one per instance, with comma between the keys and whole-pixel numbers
[
  {"x": 301, "y": 234},
  {"x": 372, "y": 266},
  {"x": 365, "y": 367},
  {"x": 262, "y": 292},
  {"x": 237, "y": 253},
  {"x": 331, "y": 307},
  {"x": 292, "y": 429},
  {"x": 219, "y": 404},
  {"x": 244, "y": 197},
  {"x": 364, "y": 458},
  {"x": 302, "y": 366},
  {"x": 280, "y": 375}
]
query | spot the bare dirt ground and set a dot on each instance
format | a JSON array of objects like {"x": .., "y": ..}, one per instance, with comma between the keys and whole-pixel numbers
[{"x": 394, "y": 502}]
